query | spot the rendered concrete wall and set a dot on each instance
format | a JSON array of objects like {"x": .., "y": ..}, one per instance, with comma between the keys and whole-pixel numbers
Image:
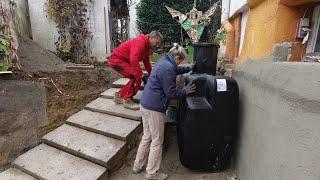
[
  {"x": 45, "y": 33},
  {"x": 22, "y": 112},
  {"x": 280, "y": 120}
]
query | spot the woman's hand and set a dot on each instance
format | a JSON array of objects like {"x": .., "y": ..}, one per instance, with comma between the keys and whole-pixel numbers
[{"x": 190, "y": 88}]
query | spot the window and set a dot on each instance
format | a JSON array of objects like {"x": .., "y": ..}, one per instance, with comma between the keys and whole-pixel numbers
[
  {"x": 244, "y": 19},
  {"x": 314, "y": 41}
]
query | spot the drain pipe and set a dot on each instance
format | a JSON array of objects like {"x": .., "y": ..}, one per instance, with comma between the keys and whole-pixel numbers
[
  {"x": 28, "y": 19},
  {"x": 230, "y": 38}
]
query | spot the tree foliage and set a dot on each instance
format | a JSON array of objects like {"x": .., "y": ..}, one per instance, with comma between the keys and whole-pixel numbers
[{"x": 152, "y": 15}]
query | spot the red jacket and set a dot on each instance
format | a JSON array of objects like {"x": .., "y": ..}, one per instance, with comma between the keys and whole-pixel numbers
[{"x": 133, "y": 51}]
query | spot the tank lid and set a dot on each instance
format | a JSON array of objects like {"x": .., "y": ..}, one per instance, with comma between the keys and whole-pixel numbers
[{"x": 204, "y": 44}]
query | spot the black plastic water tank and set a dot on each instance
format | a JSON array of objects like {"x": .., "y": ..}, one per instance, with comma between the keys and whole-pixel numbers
[
  {"x": 205, "y": 58},
  {"x": 207, "y": 123}
]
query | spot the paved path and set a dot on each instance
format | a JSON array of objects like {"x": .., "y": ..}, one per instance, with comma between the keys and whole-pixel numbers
[{"x": 170, "y": 164}]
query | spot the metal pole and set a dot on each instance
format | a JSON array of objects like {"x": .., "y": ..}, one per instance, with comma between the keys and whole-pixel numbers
[{"x": 181, "y": 34}]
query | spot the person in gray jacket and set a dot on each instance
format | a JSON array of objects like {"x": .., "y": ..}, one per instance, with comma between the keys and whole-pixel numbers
[{"x": 159, "y": 90}]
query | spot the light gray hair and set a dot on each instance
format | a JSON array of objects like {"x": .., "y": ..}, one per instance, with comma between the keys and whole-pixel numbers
[
  {"x": 177, "y": 50},
  {"x": 156, "y": 34}
]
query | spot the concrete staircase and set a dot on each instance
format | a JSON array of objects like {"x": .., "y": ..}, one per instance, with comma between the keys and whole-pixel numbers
[
  {"x": 120, "y": 82},
  {"x": 91, "y": 144}
]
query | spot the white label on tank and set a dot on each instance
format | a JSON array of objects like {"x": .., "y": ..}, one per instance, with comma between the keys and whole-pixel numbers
[{"x": 221, "y": 85}]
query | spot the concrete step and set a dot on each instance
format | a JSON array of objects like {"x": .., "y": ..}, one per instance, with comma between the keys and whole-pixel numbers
[
  {"x": 112, "y": 126},
  {"x": 109, "y": 94},
  {"x": 15, "y": 174},
  {"x": 107, "y": 106},
  {"x": 5, "y": 72},
  {"x": 45, "y": 162},
  {"x": 122, "y": 82},
  {"x": 80, "y": 66},
  {"x": 228, "y": 72},
  {"x": 142, "y": 65},
  {"x": 94, "y": 147},
  {"x": 229, "y": 66}
]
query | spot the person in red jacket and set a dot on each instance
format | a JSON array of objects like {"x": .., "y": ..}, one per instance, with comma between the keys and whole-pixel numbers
[{"x": 125, "y": 60}]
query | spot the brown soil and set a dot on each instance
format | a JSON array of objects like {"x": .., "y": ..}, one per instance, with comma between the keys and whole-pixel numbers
[{"x": 83, "y": 87}]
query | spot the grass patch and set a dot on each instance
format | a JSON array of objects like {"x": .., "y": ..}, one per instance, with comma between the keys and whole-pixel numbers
[
  {"x": 189, "y": 49},
  {"x": 155, "y": 57}
]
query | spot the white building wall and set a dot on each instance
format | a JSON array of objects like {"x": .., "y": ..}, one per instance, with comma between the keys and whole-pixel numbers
[
  {"x": 22, "y": 18},
  {"x": 244, "y": 19},
  {"x": 230, "y": 8},
  {"x": 236, "y": 5},
  {"x": 101, "y": 32},
  {"x": 45, "y": 33},
  {"x": 133, "y": 30},
  {"x": 225, "y": 10}
]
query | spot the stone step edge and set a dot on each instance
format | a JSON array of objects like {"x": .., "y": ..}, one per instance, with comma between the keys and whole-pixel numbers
[
  {"x": 13, "y": 173},
  {"x": 81, "y": 155},
  {"x": 128, "y": 139},
  {"x": 104, "y": 176},
  {"x": 115, "y": 85},
  {"x": 111, "y": 97},
  {"x": 121, "y": 86},
  {"x": 114, "y": 114},
  {"x": 136, "y": 100},
  {"x": 13, "y": 165}
]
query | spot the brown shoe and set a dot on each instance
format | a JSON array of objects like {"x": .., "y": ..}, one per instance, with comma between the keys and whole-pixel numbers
[
  {"x": 116, "y": 98},
  {"x": 137, "y": 170},
  {"x": 129, "y": 104}
]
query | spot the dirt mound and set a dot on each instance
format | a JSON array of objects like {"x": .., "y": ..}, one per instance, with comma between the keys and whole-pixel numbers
[
  {"x": 83, "y": 87},
  {"x": 36, "y": 59}
]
